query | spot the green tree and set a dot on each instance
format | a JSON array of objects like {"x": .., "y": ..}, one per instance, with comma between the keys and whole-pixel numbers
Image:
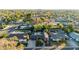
[
  {"x": 60, "y": 25},
  {"x": 39, "y": 42},
  {"x": 4, "y": 34},
  {"x": 38, "y": 27},
  {"x": 69, "y": 28},
  {"x": 15, "y": 38},
  {"x": 28, "y": 18}
]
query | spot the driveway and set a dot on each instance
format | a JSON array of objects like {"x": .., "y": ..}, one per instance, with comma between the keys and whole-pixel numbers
[
  {"x": 31, "y": 44},
  {"x": 72, "y": 44}
]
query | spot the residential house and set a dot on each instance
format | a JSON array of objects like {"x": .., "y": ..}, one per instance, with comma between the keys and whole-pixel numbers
[
  {"x": 37, "y": 35},
  {"x": 62, "y": 20},
  {"x": 24, "y": 26},
  {"x": 74, "y": 36},
  {"x": 57, "y": 34}
]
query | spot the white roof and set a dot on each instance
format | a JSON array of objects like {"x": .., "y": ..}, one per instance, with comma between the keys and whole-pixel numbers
[{"x": 17, "y": 32}]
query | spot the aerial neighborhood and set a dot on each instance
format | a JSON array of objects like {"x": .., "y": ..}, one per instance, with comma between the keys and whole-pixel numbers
[{"x": 39, "y": 29}]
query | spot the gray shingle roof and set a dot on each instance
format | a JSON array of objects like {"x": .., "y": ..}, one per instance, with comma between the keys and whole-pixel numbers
[{"x": 57, "y": 35}]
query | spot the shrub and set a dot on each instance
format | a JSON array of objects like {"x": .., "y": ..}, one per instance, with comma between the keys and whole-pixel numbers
[
  {"x": 39, "y": 42},
  {"x": 10, "y": 45},
  {"x": 3, "y": 34},
  {"x": 14, "y": 38}
]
